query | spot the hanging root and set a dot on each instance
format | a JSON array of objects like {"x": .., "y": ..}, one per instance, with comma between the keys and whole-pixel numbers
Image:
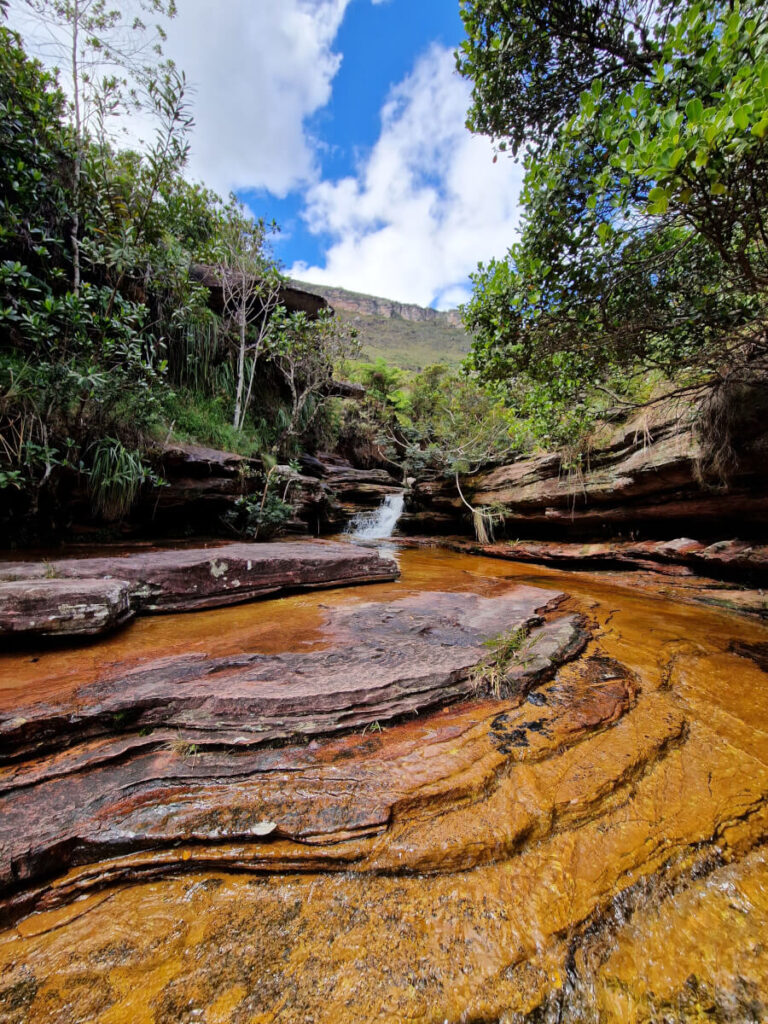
[
  {"x": 483, "y": 519},
  {"x": 483, "y": 533}
]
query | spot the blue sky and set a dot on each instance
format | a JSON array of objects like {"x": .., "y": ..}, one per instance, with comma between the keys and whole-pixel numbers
[
  {"x": 379, "y": 44},
  {"x": 344, "y": 121}
]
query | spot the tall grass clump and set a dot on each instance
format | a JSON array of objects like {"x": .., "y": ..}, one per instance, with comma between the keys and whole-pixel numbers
[{"x": 115, "y": 478}]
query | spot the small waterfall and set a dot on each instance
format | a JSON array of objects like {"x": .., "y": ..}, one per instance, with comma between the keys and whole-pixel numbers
[{"x": 380, "y": 523}]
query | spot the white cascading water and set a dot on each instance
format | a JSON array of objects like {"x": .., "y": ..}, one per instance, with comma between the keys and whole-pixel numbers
[{"x": 380, "y": 523}]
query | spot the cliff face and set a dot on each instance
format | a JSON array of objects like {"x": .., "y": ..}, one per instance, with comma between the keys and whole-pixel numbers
[
  {"x": 645, "y": 481},
  {"x": 372, "y": 305},
  {"x": 406, "y": 336}
]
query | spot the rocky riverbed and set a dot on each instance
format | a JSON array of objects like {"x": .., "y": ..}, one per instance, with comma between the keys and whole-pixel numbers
[{"x": 312, "y": 809}]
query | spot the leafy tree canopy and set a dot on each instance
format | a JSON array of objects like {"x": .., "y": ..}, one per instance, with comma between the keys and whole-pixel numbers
[{"x": 645, "y": 233}]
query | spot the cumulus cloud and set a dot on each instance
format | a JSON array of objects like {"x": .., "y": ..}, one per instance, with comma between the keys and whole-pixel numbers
[
  {"x": 425, "y": 206},
  {"x": 426, "y": 202},
  {"x": 257, "y": 71}
]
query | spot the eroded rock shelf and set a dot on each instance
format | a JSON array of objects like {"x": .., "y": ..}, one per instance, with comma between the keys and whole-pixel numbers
[
  {"x": 71, "y": 596},
  {"x": 334, "y": 822}
]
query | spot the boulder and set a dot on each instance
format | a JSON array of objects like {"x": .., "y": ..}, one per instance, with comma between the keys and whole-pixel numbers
[
  {"x": 188, "y": 579},
  {"x": 64, "y": 607}
]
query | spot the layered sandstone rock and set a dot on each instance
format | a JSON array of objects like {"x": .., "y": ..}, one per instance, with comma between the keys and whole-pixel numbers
[
  {"x": 645, "y": 479},
  {"x": 187, "y": 579},
  {"x": 728, "y": 574},
  {"x": 117, "y": 766},
  {"x": 202, "y": 485},
  {"x": 64, "y": 607},
  {"x": 589, "y": 850},
  {"x": 354, "y": 489}
]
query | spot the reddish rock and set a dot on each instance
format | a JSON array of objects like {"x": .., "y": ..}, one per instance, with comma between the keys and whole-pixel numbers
[
  {"x": 356, "y": 489},
  {"x": 387, "y": 661},
  {"x": 193, "y": 578},
  {"x": 645, "y": 478},
  {"x": 201, "y": 485},
  {"x": 293, "y": 297},
  {"x": 64, "y": 607},
  {"x": 197, "y": 461},
  {"x": 189, "y": 764},
  {"x": 725, "y": 560}
]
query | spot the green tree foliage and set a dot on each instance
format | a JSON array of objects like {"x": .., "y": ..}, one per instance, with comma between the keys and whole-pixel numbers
[
  {"x": 251, "y": 285},
  {"x": 77, "y": 364},
  {"x": 529, "y": 62},
  {"x": 112, "y": 62},
  {"x": 34, "y": 147},
  {"x": 88, "y": 359},
  {"x": 439, "y": 420},
  {"x": 306, "y": 352},
  {"x": 645, "y": 236}
]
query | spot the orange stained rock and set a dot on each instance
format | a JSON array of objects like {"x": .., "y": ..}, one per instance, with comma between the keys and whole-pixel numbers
[
  {"x": 515, "y": 837},
  {"x": 726, "y": 977}
]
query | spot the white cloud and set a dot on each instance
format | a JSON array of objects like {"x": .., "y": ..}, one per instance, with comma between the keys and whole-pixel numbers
[
  {"x": 258, "y": 69},
  {"x": 426, "y": 202},
  {"x": 426, "y": 205}
]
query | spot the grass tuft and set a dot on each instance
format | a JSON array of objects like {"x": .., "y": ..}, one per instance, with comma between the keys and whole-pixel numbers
[{"x": 505, "y": 653}]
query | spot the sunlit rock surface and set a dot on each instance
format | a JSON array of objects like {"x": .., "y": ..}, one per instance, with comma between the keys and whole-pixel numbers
[
  {"x": 645, "y": 477},
  {"x": 586, "y": 849},
  {"x": 151, "y": 787}
]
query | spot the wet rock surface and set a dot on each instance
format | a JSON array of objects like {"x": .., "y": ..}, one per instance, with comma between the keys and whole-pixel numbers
[
  {"x": 386, "y": 661},
  {"x": 688, "y": 570},
  {"x": 193, "y": 578},
  {"x": 589, "y": 847},
  {"x": 353, "y": 489},
  {"x": 153, "y": 788},
  {"x": 64, "y": 607}
]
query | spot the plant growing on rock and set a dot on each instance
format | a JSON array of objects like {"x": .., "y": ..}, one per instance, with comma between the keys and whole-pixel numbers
[
  {"x": 505, "y": 653},
  {"x": 116, "y": 477}
]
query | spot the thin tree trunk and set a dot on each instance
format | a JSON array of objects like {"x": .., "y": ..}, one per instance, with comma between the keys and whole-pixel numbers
[
  {"x": 79, "y": 144},
  {"x": 238, "y": 417}
]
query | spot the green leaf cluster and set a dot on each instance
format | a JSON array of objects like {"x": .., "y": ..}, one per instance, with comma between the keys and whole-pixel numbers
[{"x": 644, "y": 242}]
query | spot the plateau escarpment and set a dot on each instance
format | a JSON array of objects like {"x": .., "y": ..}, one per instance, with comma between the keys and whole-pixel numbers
[{"x": 402, "y": 334}]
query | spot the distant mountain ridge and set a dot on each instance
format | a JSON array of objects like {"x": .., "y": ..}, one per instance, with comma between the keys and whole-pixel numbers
[
  {"x": 402, "y": 334},
  {"x": 374, "y": 305}
]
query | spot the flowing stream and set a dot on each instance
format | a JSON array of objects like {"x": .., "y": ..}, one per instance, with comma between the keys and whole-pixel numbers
[
  {"x": 380, "y": 523},
  {"x": 561, "y": 866}
]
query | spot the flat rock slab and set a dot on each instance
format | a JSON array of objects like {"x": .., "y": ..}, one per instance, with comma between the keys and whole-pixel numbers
[
  {"x": 386, "y": 661},
  {"x": 176, "y": 751},
  {"x": 194, "y": 578},
  {"x": 64, "y": 607}
]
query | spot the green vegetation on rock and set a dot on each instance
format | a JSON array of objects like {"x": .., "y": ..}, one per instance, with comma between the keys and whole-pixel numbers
[
  {"x": 407, "y": 336},
  {"x": 109, "y": 346}
]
